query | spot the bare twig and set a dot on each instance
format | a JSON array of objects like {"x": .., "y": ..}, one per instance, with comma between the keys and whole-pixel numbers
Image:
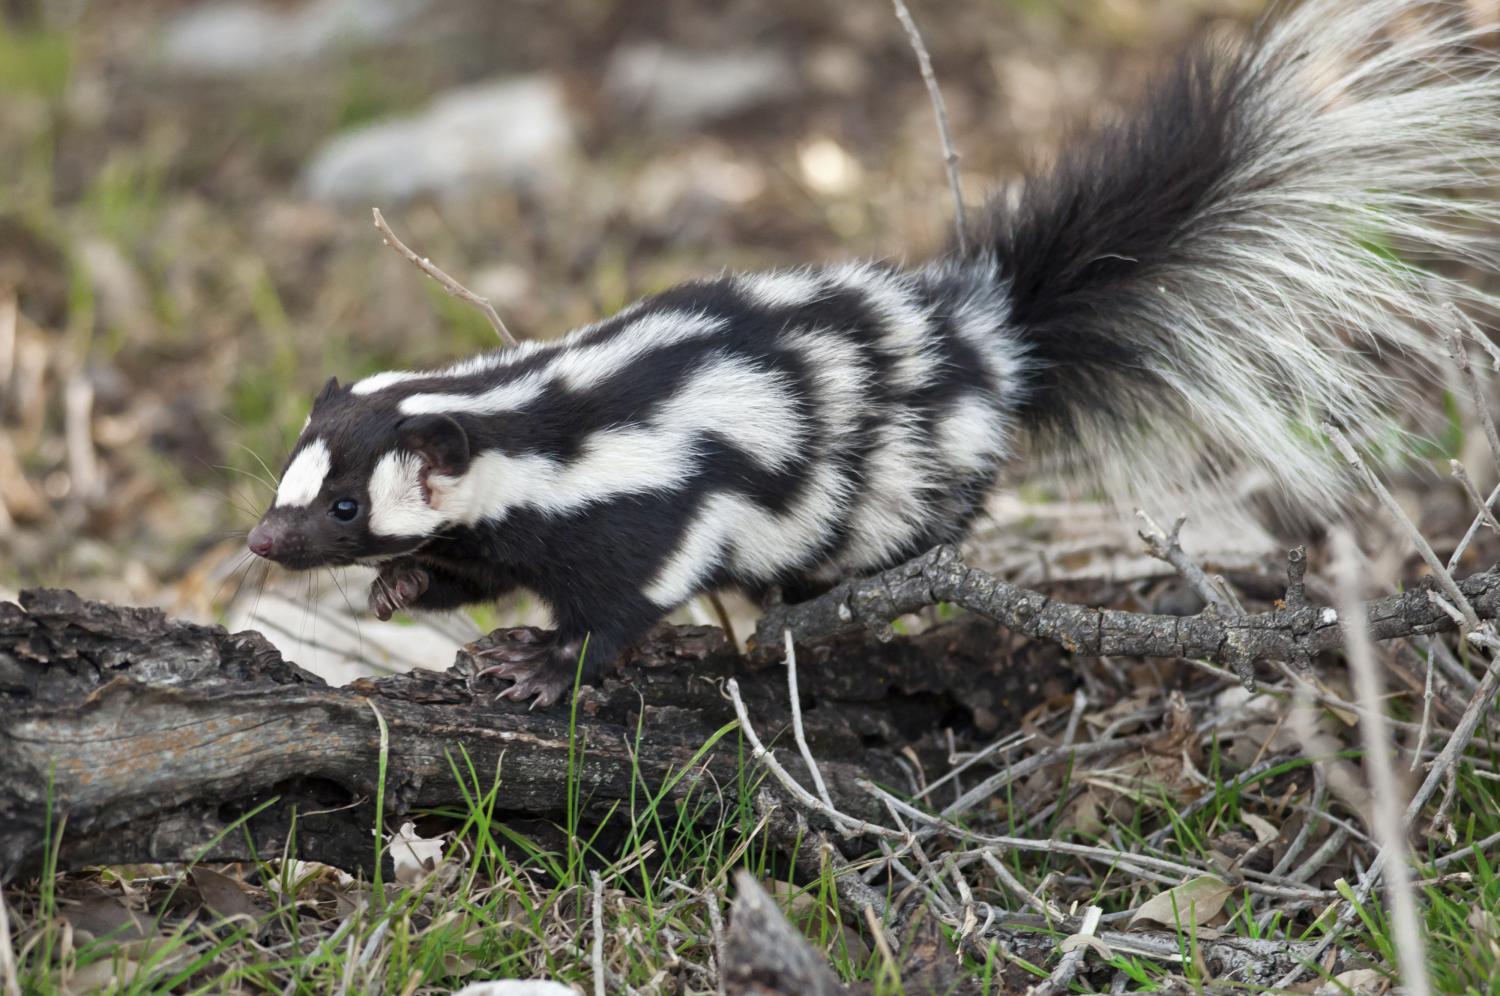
[
  {"x": 1463, "y": 734},
  {"x": 597, "y": 953},
  {"x": 847, "y": 825},
  {"x": 1460, "y": 355},
  {"x": 1011, "y": 882},
  {"x": 795, "y": 700},
  {"x": 1427, "y": 700},
  {"x": 940, "y": 109},
  {"x": 1439, "y": 571},
  {"x": 1473, "y": 529},
  {"x": 716, "y": 926},
  {"x": 1167, "y": 547},
  {"x": 8, "y": 977},
  {"x": 1385, "y": 793},
  {"x": 1485, "y": 514},
  {"x": 1062, "y": 976},
  {"x": 446, "y": 282},
  {"x": 1143, "y": 865}
]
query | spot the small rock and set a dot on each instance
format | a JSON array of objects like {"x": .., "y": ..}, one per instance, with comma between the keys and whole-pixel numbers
[
  {"x": 243, "y": 38},
  {"x": 515, "y": 129},
  {"x": 517, "y": 987},
  {"x": 677, "y": 88}
]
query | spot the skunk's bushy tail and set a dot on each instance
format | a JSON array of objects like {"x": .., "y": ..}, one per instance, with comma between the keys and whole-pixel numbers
[{"x": 1202, "y": 282}]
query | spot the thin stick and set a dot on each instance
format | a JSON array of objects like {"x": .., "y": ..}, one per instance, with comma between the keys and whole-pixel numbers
[
  {"x": 1062, "y": 976},
  {"x": 446, "y": 282},
  {"x": 1463, "y": 734},
  {"x": 8, "y": 975},
  {"x": 1461, "y": 474},
  {"x": 801, "y": 737},
  {"x": 847, "y": 825},
  {"x": 1473, "y": 531},
  {"x": 940, "y": 109},
  {"x": 1427, "y": 697},
  {"x": 1014, "y": 884},
  {"x": 1136, "y": 864},
  {"x": 1386, "y": 802},
  {"x": 1167, "y": 547},
  {"x": 598, "y": 952},
  {"x": 1460, "y": 354},
  {"x": 1444, "y": 579},
  {"x": 716, "y": 927}
]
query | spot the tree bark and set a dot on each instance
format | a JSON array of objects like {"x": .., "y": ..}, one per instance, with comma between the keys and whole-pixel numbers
[{"x": 142, "y": 739}]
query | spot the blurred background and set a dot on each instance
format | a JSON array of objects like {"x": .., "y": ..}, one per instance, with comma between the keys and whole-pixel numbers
[{"x": 186, "y": 251}]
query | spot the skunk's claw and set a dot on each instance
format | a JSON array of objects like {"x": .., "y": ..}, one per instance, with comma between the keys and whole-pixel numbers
[
  {"x": 398, "y": 586},
  {"x": 532, "y": 661}
]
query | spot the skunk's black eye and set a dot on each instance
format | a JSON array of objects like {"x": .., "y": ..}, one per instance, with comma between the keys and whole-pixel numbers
[{"x": 344, "y": 509}]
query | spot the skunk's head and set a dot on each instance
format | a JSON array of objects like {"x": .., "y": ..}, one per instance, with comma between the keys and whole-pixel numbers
[{"x": 363, "y": 484}]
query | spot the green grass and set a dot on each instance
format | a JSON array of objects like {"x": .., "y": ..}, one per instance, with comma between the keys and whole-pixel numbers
[
  {"x": 35, "y": 61},
  {"x": 508, "y": 901}
]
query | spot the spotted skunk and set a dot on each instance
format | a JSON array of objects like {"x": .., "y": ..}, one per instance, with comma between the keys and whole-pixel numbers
[{"x": 1210, "y": 275}]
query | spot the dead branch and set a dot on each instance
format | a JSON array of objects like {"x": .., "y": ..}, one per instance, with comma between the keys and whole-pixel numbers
[
  {"x": 155, "y": 737},
  {"x": 446, "y": 282},
  {"x": 765, "y": 956},
  {"x": 1284, "y": 634}
]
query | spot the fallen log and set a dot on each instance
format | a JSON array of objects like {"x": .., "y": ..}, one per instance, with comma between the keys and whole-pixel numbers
[{"x": 137, "y": 738}]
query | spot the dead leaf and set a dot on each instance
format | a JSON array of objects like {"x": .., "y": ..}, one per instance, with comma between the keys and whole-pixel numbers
[
  {"x": 105, "y": 975},
  {"x": 1191, "y": 904},
  {"x": 107, "y": 916},
  {"x": 1359, "y": 982},
  {"x": 224, "y": 895},
  {"x": 1264, "y": 831},
  {"x": 414, "y": 856}
]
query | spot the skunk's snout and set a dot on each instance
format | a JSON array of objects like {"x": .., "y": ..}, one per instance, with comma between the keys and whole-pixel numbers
[{"x": 264, "y": 539}]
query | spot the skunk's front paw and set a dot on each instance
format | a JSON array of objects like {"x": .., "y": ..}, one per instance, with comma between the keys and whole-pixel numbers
[
  {"x": 538, "y": 667},
  {"x": 398, "y": 586}
]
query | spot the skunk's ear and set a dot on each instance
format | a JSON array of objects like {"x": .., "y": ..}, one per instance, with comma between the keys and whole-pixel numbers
[
  {"x": 439, "y": 440},
  {"x": 329, "y": 390}
]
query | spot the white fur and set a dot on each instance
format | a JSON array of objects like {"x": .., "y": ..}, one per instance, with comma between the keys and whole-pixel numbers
[
  {"x": 894, "y": 506},
  {"x": 582, "y": 367},
  {"x": 304, "y": 477},
  {"x": 759, "y": 543},
  {"x": 744, "y": 403},
  {"x": 781, "y": 288},
  {"x": 385, "y": 379},
  {"x": 397, "y": 506},
  {"x": 506, "y": 397},
  {"x": 906, "y": 325},
  {"x": 613, "y": 462},
  {"x": 1383, "y": 128},
  {"x": 974, "y": 435}
]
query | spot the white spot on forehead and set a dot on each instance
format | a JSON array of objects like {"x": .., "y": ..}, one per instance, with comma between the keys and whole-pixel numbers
[{"x": 304, "y": 476}]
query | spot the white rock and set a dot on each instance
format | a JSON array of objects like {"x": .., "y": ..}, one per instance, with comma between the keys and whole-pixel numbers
[
  {"x": 235, "y": 38},
  {"x": 517, "y": 987},
  {"x": 491, "y": 133},
  {"x": 678, "y": 88}
]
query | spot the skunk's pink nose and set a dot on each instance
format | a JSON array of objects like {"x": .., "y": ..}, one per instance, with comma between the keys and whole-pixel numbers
[{"x": 262, "y": 542}]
